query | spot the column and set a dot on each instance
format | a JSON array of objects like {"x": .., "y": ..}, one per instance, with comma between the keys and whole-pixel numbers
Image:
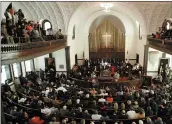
[
  {"x": 12, "y": 72},
  {"x": 146, "y": 49},
  {"x": 67, "y": 54}
]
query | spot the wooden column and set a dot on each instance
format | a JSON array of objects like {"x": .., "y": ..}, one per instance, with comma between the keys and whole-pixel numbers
[{"x": 67, "y": 54}]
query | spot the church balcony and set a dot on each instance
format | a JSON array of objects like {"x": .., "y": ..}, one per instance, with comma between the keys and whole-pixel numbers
[
  {"x": 164, "y": 45},
  {"x": 13, "y": 53}
]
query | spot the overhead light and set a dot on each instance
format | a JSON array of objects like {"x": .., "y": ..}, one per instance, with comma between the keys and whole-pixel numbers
[{"x": 106, "y": 6}]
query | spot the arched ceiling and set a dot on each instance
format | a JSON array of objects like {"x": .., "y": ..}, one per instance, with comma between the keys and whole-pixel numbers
[
  {"x": 116, "y": 22},
  {"x": 42, "y": 10},
  {"x": 60, "y": 13}
]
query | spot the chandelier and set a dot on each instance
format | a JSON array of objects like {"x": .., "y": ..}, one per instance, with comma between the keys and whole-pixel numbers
[{"x": 106, "y": 6}]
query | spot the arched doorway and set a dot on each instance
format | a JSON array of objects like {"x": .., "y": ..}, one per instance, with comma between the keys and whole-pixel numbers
[
  {"x": 85, "y": 16},
  {"x": 107, "y": 38}
]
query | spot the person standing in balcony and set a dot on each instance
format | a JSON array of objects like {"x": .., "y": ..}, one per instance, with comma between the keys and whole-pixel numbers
[
  {"x": 32, "y": 32},
  {"x": 9, "y": 39}
]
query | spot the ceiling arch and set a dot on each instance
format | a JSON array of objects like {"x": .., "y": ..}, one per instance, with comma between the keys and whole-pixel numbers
[
  {"x": 42, "y": 10},
  {"x": 118, "y": 8},
  {"x": 115, "y": 21},
  {"x": 60, "y": 13}
]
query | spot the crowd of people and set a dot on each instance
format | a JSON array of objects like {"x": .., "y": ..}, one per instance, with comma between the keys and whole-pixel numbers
[
  {"x": 164, "y": 74},
  {"x": 96, "y": 67},
  {"x": 62, "y": 100},
  {"x": 165, "y": 31},
  {"x": 16, "y": 28}
]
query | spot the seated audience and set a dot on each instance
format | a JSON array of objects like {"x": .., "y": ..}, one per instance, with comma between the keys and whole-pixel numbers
[
  {"x": 96, "y": 116},
  {"x": 59, "y": 35}
]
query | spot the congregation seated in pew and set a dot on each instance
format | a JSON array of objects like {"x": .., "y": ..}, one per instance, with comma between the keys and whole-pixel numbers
[{"x": 84, "y": 103}]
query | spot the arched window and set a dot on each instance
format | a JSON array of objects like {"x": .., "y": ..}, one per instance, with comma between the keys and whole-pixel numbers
[{"x": 46, "y": 25}]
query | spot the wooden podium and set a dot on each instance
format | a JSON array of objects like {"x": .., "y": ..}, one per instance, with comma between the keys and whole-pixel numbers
[{"x": 105, "y": 76}]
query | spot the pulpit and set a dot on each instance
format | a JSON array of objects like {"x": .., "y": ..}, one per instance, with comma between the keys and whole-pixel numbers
[
  {"x": 105, "y": 73},
  {"x": 105, "y": 76}
]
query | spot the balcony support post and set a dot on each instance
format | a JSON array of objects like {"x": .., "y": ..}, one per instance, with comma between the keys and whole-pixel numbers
[{"x": 67, "y": 54}]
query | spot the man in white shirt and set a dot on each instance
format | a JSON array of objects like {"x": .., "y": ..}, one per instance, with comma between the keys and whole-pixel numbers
[
  {"x": 61, "y": 88},
  {"x": 46, "y": 92},
  {"x": 46, "y": 111},
  {"x": 104, "y": 93},
  {"x": 131, "y": 114},
  {"x": 80, "y": 92},
  {"x": 101, "y": 100},
  {"x": 120, "y": 93},
  {"x": 96, "y": 116},
  {"x": 22, "y": 100}
]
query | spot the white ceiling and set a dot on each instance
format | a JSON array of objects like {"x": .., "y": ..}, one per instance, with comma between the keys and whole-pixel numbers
[{"x": 60, "y": 13}]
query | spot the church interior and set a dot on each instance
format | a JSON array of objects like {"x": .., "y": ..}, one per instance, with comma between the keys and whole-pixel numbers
[{"x": 86, "y": 62}]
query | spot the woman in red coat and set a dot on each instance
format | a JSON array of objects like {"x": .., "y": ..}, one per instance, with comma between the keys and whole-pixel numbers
[{"x": 113, "y": 69}]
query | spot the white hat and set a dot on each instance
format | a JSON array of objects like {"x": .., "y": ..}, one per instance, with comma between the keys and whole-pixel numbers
[{"x": 140, "y": 122}]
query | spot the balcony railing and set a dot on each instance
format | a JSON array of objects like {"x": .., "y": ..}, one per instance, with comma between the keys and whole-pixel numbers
[
  {"x": 13, "y": 53},
  {"x": 19, "y": 47},
  {"x": 165, "y": 43}
]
